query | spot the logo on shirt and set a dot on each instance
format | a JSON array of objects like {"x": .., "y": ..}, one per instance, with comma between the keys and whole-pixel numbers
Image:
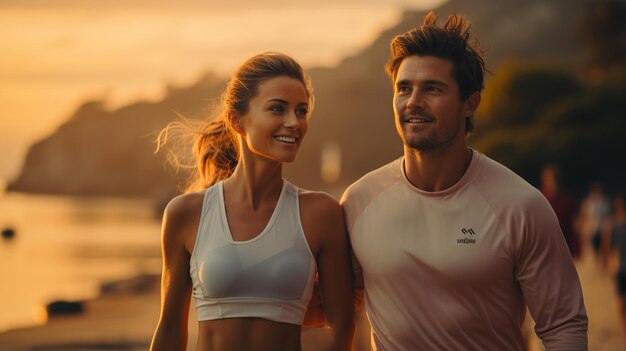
[
  {"x": 468, "y": 231},
  {"x": 467, "y": 239}
]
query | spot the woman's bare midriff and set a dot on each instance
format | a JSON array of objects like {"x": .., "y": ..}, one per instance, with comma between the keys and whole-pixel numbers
[{"x": 248, "y": 334}]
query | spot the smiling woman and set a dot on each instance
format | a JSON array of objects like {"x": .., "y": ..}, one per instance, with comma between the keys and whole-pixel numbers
[
  {"x": 247, "y": 245},
  {"x": 275, "y": 127}
]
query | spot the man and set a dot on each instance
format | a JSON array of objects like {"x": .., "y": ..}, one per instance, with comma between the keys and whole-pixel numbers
[{"x": 451, "y": 245}]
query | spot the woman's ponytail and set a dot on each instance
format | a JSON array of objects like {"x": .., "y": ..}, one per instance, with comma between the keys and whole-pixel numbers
[{"x": 216, "y": 152}]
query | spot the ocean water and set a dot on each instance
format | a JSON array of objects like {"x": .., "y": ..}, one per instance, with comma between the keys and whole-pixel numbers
[{"x": 64, "y": 248}]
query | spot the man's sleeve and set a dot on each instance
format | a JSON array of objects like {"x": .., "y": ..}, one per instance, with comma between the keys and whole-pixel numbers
[{"x": 548, "y": 279}]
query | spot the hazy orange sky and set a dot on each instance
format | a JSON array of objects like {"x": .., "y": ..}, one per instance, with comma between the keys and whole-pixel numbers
[{"x": 58, "y": 53}]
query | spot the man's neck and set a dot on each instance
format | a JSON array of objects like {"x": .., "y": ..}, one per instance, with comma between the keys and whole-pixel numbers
[{"x": 436, "y": 170}]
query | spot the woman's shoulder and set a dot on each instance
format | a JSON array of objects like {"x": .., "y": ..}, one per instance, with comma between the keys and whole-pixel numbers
[
  {"x": 184, "y": 211},
  {"x": 181, "y": 205},
  {"x": 322, "y": 218}
]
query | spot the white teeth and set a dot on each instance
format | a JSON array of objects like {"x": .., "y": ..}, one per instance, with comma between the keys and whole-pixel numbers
[
  {"x": 417, "y": 120},
  {"x": 285, "y": 139}
]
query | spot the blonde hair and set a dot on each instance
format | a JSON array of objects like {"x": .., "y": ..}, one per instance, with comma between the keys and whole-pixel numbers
[{"x": 215, "y": 148}]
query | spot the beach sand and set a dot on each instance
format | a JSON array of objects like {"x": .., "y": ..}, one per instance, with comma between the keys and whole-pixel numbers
[{"x": 125, "y": 315}]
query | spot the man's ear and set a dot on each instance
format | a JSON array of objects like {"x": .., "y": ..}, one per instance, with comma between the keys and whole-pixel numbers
[
  {"x": 471, "y": 104},
  {"x": 233, "y": 119}
]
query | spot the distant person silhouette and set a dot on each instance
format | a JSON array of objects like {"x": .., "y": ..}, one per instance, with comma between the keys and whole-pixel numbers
[
  {"x": 248, "y": 245},
  {"x": 614, "y": 241},
  {"x": 564, "y": 206},
  {"x": 450, "y": 246},
  {"x": 593, "y": 209}
]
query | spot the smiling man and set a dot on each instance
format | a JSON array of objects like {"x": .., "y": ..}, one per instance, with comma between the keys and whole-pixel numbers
[{"x": 449, "y": 245}]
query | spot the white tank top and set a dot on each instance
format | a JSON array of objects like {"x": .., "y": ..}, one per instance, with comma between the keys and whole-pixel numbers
[{"x": 270, "y": 276}]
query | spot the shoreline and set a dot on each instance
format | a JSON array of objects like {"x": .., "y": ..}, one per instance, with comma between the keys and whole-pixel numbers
[{"x": 121, "y": 317}]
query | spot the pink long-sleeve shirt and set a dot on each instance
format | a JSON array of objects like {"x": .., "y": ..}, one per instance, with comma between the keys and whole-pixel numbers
[{"x": 455, "y": 269}]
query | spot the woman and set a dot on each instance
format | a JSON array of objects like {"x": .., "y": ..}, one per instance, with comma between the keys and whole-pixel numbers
[{"x": 247, "y": 247}]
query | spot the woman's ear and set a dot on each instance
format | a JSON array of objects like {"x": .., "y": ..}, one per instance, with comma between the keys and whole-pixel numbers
[{"x": 234, "y": 121}]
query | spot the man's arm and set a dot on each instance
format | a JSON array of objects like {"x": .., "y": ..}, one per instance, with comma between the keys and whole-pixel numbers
[{"x": 548, "y": 279}]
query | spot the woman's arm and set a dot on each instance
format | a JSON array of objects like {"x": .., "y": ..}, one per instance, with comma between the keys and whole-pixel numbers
[
  {"x": 314, "y": 317},
  {"x": 359, "y": 286},
  {"x": 180, "y": 217},
  {"x": 326, "y": 223}
]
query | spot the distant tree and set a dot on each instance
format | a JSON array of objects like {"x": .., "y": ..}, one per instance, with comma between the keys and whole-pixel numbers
[
  {"x": 590, "y": 138},
  {"x": 533, "y": 115},
  {"x": 519, "y": 92},
  {"x": 583, "y": 134}
]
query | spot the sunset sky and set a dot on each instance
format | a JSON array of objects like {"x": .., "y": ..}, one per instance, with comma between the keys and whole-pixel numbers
[{"x": 58, "y": 53}]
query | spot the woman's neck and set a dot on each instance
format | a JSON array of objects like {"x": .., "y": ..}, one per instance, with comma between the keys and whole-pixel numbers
[{"x": 254, "y": 182}]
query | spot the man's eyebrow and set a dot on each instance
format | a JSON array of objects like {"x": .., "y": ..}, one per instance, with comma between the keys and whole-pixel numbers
[
  {"x": 435, "y": 82},
  {"x": 403, "y": 82}
]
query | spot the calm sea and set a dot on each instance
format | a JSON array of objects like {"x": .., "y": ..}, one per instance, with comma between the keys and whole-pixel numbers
[{"x": 64, "y": 248}]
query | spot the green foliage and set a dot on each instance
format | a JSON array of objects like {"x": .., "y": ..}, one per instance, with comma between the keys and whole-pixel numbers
[
  {"x": 518, "y": 93},
  {"x": 582, "y": 130},
  {"x": 593, "y": 145}
]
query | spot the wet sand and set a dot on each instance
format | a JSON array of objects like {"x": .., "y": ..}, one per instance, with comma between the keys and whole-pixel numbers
[{"x": 124, "y": 319}]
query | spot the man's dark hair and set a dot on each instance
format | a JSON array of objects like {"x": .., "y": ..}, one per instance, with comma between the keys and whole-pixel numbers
[{"x": 451, "y": 41}]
